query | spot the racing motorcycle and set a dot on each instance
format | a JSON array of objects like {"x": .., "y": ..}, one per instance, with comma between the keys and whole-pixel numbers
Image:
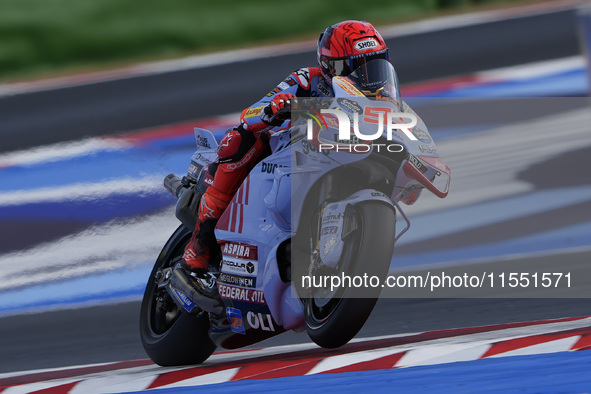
[{"x": 322, "y": 205}]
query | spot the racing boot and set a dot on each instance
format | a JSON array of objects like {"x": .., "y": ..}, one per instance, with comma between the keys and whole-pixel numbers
[
  {"x": 198, "y": 252},
  {"x": 191, "y": 282},
  {"x": 238, "y": 153},
  {"x": 203, "y": 244}
]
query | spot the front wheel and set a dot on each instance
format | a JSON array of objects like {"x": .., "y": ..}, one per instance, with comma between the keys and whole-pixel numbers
[
  {"x": 333, "y": 318},
  {"x": 171, "y": 336}
]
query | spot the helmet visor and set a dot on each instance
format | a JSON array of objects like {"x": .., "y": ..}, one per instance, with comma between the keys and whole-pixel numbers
[
  {"x": 344, "y": 66},
  {"x": 376, "y": 78}
]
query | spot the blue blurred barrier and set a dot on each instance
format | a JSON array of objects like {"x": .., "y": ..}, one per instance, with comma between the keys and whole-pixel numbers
[{"x": 584, "y": 16}]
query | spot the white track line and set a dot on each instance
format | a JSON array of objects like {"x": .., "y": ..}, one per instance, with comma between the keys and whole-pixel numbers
[{"x": 417, "y": 351}]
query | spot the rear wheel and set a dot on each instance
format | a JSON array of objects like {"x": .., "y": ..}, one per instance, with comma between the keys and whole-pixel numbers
[
  {"x": 333, "y": 317},
  {"x": 169, "y": 335}
]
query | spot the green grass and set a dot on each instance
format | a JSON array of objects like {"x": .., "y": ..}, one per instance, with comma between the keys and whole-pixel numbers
[{"x": 44, "y": 37}]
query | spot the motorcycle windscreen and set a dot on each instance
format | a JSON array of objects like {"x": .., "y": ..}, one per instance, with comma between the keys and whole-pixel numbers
[{"x": 375, "y": 79}]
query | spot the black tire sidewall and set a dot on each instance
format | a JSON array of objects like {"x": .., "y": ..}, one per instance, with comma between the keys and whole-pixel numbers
[
  {"x": 187, "y": 340},
  {"x": 351, "y": 313}
]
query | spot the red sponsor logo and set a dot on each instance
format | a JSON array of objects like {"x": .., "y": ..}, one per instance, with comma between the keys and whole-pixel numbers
[
  {"x": 240, "y": 294},
  {"x": 240, "y": 250},
  {"x": 208, "y": 179},
  {"x": 236, "y": 322}
]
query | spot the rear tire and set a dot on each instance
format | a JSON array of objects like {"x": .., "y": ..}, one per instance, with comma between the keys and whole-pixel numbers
[
  {"x": 171, "y": 336},
  {"x": 334, "y": 323}
]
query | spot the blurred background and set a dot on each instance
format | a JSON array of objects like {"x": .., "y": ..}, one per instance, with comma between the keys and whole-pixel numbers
[
  {"x": 98, "y": 100},
  {"x": 63, "y": 36}
]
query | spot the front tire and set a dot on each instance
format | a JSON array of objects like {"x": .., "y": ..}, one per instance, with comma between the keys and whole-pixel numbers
[
  {"x": 171, "y": 336},
  {"x": 334, "y": 322}
]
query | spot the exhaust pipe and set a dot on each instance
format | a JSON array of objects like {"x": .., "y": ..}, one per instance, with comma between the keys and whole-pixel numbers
[{"x": 194, "y": 294}]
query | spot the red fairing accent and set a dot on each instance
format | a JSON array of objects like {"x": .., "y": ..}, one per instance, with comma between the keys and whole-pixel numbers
[
  {"x": 230, "y": 144},
  {"x": 235, "y": 220},
  {"x": 436, "y": 162},
  {"x": 412, "y": 172}
]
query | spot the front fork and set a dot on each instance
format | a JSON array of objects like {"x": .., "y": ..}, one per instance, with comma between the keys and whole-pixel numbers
[{"x": 327, "y": 193}]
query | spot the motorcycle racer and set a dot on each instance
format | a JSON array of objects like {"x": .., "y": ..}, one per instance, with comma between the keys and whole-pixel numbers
[{"x": 341, "y": 49}]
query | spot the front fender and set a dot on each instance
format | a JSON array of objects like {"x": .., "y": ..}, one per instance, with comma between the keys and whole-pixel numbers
[{"x": 333, "y": 229}]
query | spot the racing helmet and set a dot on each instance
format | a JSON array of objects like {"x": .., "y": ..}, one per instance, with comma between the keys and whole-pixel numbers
[{"x": 344, "y": 47}]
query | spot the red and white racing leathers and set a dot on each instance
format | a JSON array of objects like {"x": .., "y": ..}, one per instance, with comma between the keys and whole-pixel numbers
[{"x": 239, "y": 151}]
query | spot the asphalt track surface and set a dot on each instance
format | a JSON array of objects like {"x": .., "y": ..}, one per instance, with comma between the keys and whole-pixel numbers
[{"x": 110, "y": 332}]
